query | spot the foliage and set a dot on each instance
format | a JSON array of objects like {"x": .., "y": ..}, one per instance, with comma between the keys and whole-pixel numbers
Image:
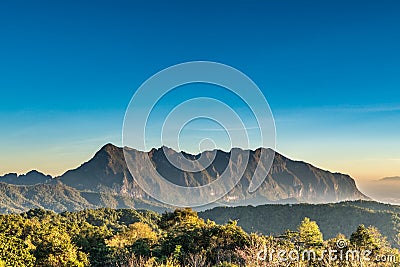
[
  {"x": 363, "y": 238},
  {"x": 309, "y": 233},
  {"x": 15, "y": 252},
  {"x": 107, "y": 237},
  {"x": 274, "y": 219}
]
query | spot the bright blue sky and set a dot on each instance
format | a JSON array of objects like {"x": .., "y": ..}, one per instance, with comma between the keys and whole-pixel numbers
[{"x": 330, "y": 71}]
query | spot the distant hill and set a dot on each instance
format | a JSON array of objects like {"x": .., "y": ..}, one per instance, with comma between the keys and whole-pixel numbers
[
  {"x": 385, "y": 190},
  {"x": 391, "y": 179},
  {"x": 30, "y": 178},
  {"x": 332, "y": 218},
  {"x": 59, "y": 197},
  {"x": 105, "y": 181}
]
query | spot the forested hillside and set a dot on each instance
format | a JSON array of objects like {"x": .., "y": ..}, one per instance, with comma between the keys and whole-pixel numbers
[
  {"x": 332, "y": 218},
  {"x": 126, "y": 237},
  {"x": 59, "y": 197}
]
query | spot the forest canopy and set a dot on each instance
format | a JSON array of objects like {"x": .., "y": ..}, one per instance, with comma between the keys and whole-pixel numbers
[{"x": 126, "y": 237}]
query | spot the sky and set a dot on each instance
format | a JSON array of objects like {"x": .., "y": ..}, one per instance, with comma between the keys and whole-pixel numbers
[{"x": 330, "y": 71}]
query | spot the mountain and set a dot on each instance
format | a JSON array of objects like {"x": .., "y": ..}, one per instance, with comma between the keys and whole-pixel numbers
[
  {"x": 106, "y": 181},
  {"x": 332, "y": 219},
  {"x": 287, "y": 180},
  {"x": 105, "y": 172},
  {"x": 31, "y": 178}
]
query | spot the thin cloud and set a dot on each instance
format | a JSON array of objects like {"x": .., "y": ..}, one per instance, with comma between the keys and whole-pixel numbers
[
  {"x": 375, "y": 108},
  {"x": 340, "y": 108},
  {"x": 224, "y": 129}
]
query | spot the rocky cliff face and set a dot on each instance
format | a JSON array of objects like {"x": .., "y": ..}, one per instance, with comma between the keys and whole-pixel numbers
[
  {"x": 105, "y": 181},
  {"x": 287, "y": 181}
]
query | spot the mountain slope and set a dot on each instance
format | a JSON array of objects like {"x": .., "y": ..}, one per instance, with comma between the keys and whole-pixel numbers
[
  {"x": 53, "y": 197},
  {"x": 105, "y": 181},
  {"x": 287, "y": 181},
  {"x": 332, "y": 218},
  {"x": 59, "y": 197}
]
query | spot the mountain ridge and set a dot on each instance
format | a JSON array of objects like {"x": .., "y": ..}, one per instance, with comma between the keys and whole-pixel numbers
[
  {"x": 288, "y": 181},
  {"x": 111, "y": 146},
  {"x": 30, "y": 178}
]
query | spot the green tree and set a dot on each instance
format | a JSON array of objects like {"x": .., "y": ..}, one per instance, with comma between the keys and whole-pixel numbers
[
  {"x": 15, "y": 252},
  {"x": 363, "y": 238},
  {"x": 92, "y": 241},
  {"x": 135, "y": 232},
  {"x": 182, "y": 228},
  {"x": 138, "y": 238},
  {"x": 311, "y": 238},
  {"x": 228, "y": 238},
  {"x": 55, "y": 248},
  {"x": 309, "y": 233}
]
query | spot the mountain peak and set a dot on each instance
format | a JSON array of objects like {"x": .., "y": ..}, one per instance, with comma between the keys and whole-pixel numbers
[
  {"x": 109, "y": 147},
  {"x": 107, "y": 172},
  {"x": 287, "y": 179},
  {"x": 35, "y": 172},
  {"x": 109, "y": 151}
]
